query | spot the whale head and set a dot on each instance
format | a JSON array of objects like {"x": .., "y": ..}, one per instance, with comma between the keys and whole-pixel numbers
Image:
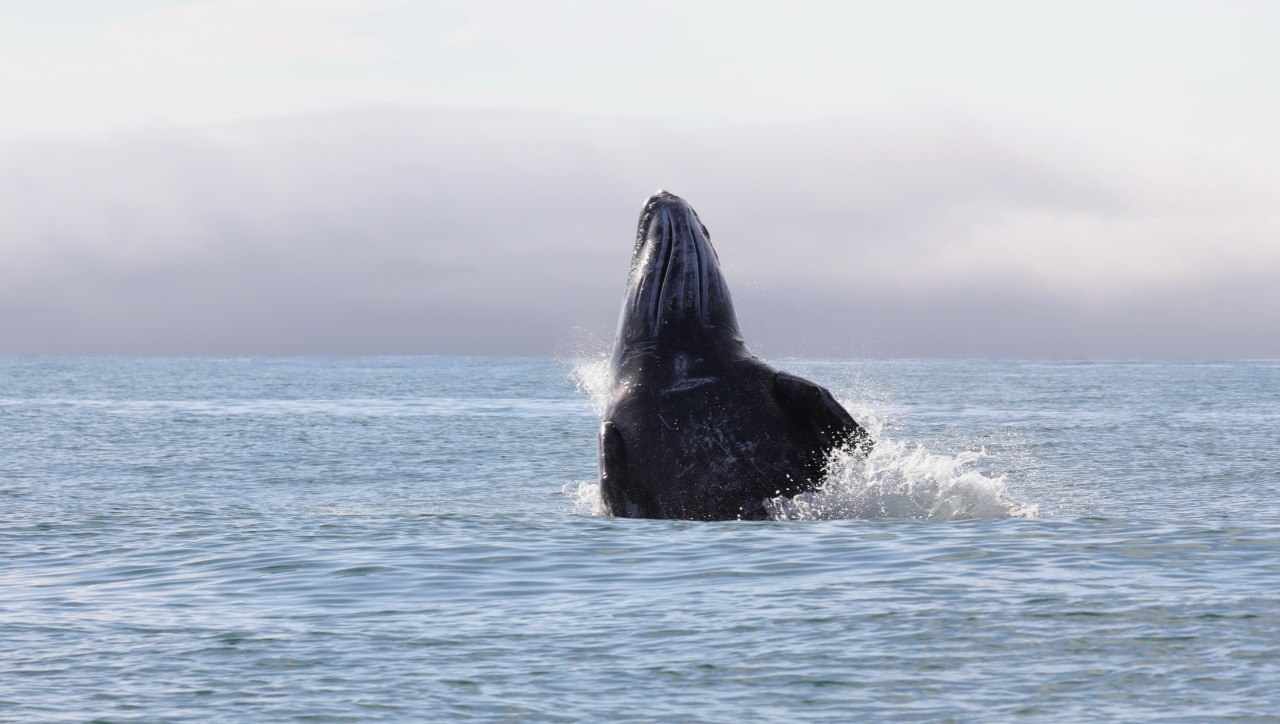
[{"x": 676, "y": 293}]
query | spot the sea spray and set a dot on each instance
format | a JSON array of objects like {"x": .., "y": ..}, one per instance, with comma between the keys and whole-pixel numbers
[
  {"x": 903, "y": 481},
  {"x": 591, "y": 377},
  {"x": 585, "y": 497}
]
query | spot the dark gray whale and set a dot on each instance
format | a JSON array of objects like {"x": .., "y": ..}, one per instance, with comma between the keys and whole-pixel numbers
[{"x": 696, "y": 427}]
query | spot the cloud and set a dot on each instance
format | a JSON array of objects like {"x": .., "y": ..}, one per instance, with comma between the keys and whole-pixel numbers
[{"x": 408, "y": 230}]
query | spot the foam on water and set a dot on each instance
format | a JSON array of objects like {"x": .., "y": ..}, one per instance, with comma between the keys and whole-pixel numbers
[{"x": 899, "y": 480}]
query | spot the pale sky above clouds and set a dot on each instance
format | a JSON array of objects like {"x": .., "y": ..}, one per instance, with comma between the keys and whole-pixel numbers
[{"x": 976, "y": 179}]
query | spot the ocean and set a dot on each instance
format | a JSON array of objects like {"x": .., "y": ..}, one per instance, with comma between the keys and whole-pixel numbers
[{"x": 418, "y": 538}]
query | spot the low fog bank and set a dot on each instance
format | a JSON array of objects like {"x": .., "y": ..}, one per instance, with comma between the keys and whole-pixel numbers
[{"x": 422, "y": 231}]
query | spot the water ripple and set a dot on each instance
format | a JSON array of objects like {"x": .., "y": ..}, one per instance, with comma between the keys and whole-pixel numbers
[{"x": 387, "y": 539}]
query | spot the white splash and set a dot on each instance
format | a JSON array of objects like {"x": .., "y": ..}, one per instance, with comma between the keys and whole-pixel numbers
[
  {"x": 584, "y": 495},
  {"x": 898, "y": 480},
  {"x": 591, "y": 377},
  {"x": 902, "y": 481}
]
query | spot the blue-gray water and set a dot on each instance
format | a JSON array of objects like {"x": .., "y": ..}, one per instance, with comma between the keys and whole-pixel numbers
[{"x": 410, "y": 537}]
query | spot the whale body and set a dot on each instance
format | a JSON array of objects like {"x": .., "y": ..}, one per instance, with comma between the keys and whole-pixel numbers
[{"x": 695, "y": 426}]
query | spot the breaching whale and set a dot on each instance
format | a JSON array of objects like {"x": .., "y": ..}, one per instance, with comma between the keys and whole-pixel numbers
[{"x": 695, "y": 426}]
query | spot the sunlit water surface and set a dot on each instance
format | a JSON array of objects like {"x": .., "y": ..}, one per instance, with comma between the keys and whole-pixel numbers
[{"x": 413, "y": 537}]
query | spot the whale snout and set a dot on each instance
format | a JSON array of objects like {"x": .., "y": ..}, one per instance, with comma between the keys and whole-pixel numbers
[
  {"x": 662, "y": 197},
  {"x": 665, "y": 214}
]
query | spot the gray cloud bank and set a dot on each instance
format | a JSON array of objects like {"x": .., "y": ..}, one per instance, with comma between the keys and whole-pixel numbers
[{"x": 425, "y": 231}]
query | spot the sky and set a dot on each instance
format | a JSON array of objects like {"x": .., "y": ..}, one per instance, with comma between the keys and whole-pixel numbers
[{"x": 933, "y": 179}]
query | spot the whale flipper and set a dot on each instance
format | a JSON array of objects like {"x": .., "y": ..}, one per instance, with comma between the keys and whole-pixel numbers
[
  {"x": 613, "y": 471},
  {"x": 811, "y": 405}
]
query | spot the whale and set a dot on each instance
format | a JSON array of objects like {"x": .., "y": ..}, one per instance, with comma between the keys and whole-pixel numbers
[{"x": 696, "y": 427}]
